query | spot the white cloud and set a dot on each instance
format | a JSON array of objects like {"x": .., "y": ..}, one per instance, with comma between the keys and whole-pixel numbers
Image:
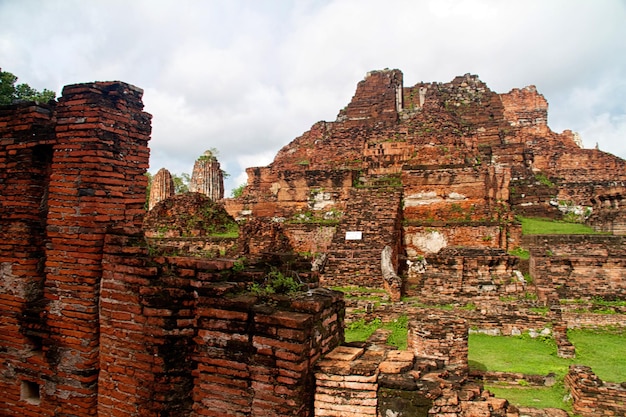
[{"x": 248, "y": 77}]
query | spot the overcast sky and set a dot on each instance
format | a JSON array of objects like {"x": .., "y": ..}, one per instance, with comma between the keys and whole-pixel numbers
[{"x": 247, "y": 77}]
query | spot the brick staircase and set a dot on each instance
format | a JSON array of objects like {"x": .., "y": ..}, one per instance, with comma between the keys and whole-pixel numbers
[{"x": 376, "y": 213}]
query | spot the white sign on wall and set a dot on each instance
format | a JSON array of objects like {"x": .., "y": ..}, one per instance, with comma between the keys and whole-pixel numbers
[{"x": 354, "y": 235}]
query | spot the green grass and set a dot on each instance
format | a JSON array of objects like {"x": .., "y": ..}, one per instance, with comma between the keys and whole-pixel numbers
[
  {"x": 520, "y": 253},
  {"x": 537, "y": 397},
  {"x": 515, "y": 354},
  {"x": 231, "y": 234},
  {"x": 523, "y": 355},
  {"x": 534, "y": 226},
  {"x": 360, "y": 289},
  {"x": 603, "y": 350},
  {"x": 399, "y": 332},
  {"x": 363, "y": 293},
  {"x": 360, "y": 331}
]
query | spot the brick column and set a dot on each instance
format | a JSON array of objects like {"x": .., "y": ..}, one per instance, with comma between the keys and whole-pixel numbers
[
  {"x": 96, "y": 181},
  {"x": 26, "y": 131}
]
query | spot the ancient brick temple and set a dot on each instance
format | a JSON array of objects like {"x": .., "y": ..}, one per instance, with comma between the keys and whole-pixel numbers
[
  {"x": 106, "y": 311},
  {"x": 207, "y": 177},
  {"x": 424, "y": 168}
]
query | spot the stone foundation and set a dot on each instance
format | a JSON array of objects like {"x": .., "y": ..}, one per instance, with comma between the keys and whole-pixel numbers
[
  {"x": 440, "y": 337},
  {"x": 373, "y": 380}
]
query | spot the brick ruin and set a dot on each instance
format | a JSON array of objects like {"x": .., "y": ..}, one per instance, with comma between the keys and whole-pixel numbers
[
  {"x": 413, "y": 190},
  {"x": 95, "y": 319},
  {"x": 162, "y": 187},
  {"x": 437, "y": 172},
  {"x": 70, "y": 170},
  {"x": 207, "y": 177}
]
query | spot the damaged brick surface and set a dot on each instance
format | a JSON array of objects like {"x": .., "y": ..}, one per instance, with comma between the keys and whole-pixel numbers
[{"x": 70, "y": 171}]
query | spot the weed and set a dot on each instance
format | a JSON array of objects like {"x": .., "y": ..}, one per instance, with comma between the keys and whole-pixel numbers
[
  {"x": 276, "y": 283},
  {"x": 399, "y": 332},
  {"x": 239, "y": 265},
  {"x": 520, "y": 253},
  {"x": 530, "y": 296},
  {"x": 543, "y": 179},
  {"x": 608, "y": 303}
]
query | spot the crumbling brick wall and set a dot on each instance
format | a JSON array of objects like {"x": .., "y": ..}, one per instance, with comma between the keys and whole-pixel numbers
[
  {"x": 69, "y": 171},
  {"x": 592, "y": 397},
  {"x": 182, "y": 336},
  {"x": 91, "y": 323},
  {"x": 579, "y": 266}
]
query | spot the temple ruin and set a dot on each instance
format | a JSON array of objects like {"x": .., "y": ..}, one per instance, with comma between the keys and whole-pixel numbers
[
  {"x": 207, "y": 177},
  {"x": 162, "y": 187},
  {"x": 413, "y": 191}
]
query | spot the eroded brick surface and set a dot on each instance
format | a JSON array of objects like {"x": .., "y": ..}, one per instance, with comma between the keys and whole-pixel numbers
[{"x": 71, "y": 170}]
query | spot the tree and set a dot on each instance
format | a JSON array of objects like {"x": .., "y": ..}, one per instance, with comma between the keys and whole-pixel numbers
[
  {"x": 238, "y": 191},
  {"x": 148, "y": 187},
  {"x": 9, "y": 92},
  {"x": 181, "y": 183}
]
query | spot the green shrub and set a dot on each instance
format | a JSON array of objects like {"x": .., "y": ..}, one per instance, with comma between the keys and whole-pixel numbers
[
  {"x": 276, "y": 283},
  {"x": 238, "y": 191},
  {"x": 543, "y": 179}
]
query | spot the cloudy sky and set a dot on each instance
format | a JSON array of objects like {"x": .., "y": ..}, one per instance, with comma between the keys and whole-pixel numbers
[{"x": 247, "y": 77}]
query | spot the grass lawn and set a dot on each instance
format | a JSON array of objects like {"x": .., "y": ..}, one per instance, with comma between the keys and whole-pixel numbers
[
  {"x": 360, "y": 331},
  {"x": 515, "y": 354},
  {"x": 534, "y": 226},
  {"x": 537, "y": 397},
  {"x": 603, "y": 350}
]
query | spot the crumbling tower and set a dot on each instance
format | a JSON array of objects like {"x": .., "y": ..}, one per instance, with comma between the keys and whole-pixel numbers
[
  {"x": 207, "y": 177},
  {"x": 162, "y": 187}
]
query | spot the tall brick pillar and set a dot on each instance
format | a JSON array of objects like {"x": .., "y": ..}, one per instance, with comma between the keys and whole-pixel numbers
[
  {"x": 96, "y": 182},
  {"x": 26, "y": 137},
  {"x": 207, "y": 177},
  {"x": 162, "y": 187}
]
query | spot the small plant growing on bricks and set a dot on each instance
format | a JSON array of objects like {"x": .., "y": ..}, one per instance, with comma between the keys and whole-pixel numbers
[{"x": 277, "y": 283}]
